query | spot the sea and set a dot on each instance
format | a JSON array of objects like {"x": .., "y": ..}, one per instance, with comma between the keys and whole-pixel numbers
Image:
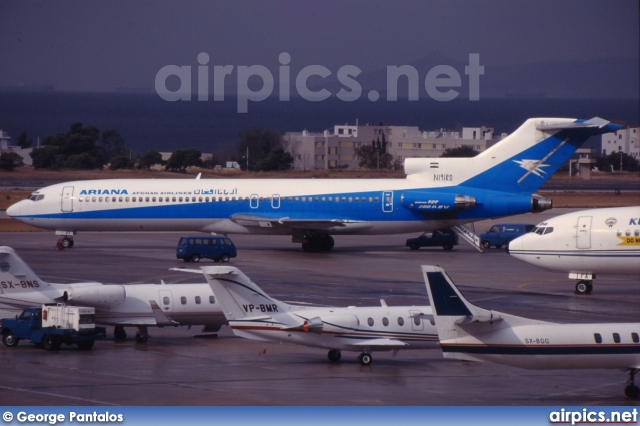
[{"x": 147, "y": 122}]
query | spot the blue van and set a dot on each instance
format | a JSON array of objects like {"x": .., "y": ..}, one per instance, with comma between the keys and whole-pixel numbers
[
  {"x": 502, "y": 234},
  {"x": 192, "y": 249}
]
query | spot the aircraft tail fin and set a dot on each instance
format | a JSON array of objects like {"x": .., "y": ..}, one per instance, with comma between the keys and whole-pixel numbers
[
  {"x": 15, "y": 273},
  {"x": 453, "y": 313},
  {"x": 240, "y": 297},
  {"x": 519, "y": 163}
]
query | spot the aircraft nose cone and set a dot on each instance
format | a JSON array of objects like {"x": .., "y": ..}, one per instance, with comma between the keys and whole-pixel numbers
[{"x": 14, "y": 209}]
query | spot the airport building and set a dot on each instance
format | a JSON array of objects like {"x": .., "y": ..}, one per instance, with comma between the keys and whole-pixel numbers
[
  {"x": 335, "y": 149},
  {"x": 624, "y": 140}
]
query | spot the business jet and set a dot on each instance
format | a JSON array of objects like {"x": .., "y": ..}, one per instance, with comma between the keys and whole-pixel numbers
[
  {"x": 468, "y": 332},
  {"x": 584, "y": 243},
  {"x": 253, "y": 314},
  {"x": 139, "y": 305},
  {"x": 437, "y": 193}
]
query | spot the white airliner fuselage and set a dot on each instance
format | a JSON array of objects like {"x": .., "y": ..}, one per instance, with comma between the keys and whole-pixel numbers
[
  {"x": 437, "y": 193},
  {"x": 585, "y": 243},
  {"x": 137, "y": 305},
  {"x": 468, "y": 332}
]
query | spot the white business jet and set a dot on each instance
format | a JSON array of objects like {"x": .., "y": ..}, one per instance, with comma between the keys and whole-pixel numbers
[
  {"x": 468, "y": 332},
  {"x": 437, "y": 193},
  {"x": 255, "y": 315},
  {"x": 584, "y": 243},
  {"x": 135, "y": 305}
]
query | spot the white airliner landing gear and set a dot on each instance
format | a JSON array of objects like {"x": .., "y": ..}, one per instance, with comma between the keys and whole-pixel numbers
[
  {"x": 584, "y": 287},
  {"x": 334, "y": 355},
  {"x": 365, "y": 358},
  {"x": 632, "y": 391},
  {"x": 142, "y": 334},
  {"x": 317, "y": 243},
  {"x": 119, "y": 334}
]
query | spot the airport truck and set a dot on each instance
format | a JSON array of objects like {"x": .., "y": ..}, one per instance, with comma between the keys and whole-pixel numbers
[{"x": 52, "y": 325}]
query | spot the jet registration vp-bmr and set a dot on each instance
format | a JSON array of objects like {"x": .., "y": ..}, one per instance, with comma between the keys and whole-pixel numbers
[
  {"x": 437, "y": 193},
  {"x": 255, "y": 315},
  {"x": 134, "y": 305},
  {"x": 585, "y": 243}
]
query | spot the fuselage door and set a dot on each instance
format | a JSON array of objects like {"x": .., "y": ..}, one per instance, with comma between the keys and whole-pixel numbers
[
  {"x": 67, "y": 199},
  {"x": 387, "y": 201},
  {"x": 583, "y": 232},
  {"x": 166, "y": 301},
  {"x": 254, "y": 201},
  {"x": 416, "y": 320},
  {"x": 275, "y": 201}
]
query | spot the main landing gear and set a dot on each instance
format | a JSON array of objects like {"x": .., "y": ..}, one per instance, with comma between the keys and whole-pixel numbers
[
  {"x": 632, "y": 390},
  {"x": 317, "y": 243},
  {"x": 584, "y": 287},
  {"x": 64, "y": 242},
  {"x": 364, "y": 358},
  {"x": 120, "y": 335}
]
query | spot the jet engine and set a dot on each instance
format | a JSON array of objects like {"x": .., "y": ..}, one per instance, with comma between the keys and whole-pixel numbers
[
  {"x": 103, "y": 296},
  {"x": 436, "y": 202}
]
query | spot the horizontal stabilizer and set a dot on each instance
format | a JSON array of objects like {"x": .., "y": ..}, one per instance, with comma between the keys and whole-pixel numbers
[
  {"x": 595, "y": 122},
  {"x": 492, "y": 318}
]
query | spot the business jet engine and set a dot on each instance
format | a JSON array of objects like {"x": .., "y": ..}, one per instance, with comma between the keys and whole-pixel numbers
[{"x": 103, "y": 296}]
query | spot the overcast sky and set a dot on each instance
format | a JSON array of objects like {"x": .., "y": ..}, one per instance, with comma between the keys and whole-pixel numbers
[{"x": 91, "y": 45}]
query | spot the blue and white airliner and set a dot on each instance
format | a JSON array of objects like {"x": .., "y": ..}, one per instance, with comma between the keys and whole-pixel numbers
[{"x": 437, "y": 193}]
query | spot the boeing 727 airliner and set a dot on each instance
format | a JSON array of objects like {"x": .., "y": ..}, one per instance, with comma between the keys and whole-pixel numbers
[{"x": 437, "y": 193}]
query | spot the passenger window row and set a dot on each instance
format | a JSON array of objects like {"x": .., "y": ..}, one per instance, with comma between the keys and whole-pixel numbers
[
  {"x": 385, "y": 321},
  {"x": 616, "y": 337},
  {"x": 120, "y": 199},
  {"x": 183, "y": 300}
]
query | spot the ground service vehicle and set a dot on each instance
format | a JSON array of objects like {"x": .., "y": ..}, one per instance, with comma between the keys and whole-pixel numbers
[
  {"x": 192, "y": 249},
  {"x": 502, "y": 234},
  {"x": 53, "y": 325},
  {"x": 445, "y": 238}
]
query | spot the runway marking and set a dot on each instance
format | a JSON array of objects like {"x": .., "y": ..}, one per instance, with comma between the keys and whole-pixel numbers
[{"x": 93, "y": 401}]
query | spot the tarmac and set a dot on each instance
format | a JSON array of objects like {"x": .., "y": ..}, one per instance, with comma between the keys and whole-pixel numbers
[{"x": 181, "y": 366}]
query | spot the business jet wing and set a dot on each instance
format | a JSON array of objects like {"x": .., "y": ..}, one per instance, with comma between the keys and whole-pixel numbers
[
  {"x": 297, "y": 223},
  {"x": 379, "y": 343}
]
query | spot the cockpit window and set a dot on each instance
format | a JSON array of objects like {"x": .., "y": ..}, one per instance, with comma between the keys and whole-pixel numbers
[
  {"x": 543, "y": 230},
  {"x": 36, "y": 197}
]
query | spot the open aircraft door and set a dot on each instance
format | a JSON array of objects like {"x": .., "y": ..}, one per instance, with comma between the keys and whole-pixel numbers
[
  {"x": 67, "y": 199},
  {"x": 583, "y": 232}
]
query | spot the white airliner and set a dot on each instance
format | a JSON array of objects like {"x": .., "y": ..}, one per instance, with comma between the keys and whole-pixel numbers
[
  {"x": 253, "y": 314},
  {"x": 468, "y": 332},
  {"x": 137, "y": 305},
  {"x": 584, "y": 243},
  {"x": 437, "y": 193}
]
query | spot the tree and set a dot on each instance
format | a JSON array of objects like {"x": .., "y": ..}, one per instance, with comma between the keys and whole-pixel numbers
[
  {"x": 375, "y": 156},
  {"x": 10, "y": 160},
  {"x": 150, "y": 159},
  {"x": 121, "y": 162},
  {"x": 47, "y": 157},
  {"x": 277, "y": 160},
  {"x": 258, "y": 142},
  {"x": 461, "y": 151},
  {"x": 24, "y": 140},
  {"x": 82, "y": 161},
  {"x": 112, "y": 144},
  {"x": 181, "y": 159},
  {"x": 615, "y": 160}
]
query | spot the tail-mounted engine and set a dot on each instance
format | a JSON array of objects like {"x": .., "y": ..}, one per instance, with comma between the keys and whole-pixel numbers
[{"x": 96, "y": 295}]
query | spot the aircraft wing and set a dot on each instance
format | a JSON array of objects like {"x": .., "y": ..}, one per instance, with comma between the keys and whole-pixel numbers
[
  {"x": 296, "y": 223},
  {"x": 379, "y": 343}
]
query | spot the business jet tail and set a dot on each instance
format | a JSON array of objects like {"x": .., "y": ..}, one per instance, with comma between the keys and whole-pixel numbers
[
  {"x": 240, "y": 297},
  {"x": 15, "y": 275}
]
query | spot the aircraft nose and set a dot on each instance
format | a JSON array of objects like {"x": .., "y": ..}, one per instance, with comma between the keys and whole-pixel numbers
[{"x": 16, "y": 209}]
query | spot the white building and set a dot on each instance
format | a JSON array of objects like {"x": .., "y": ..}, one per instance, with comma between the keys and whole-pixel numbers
[
  {"x": 4, "y": 140},
  {"x": 624, "y": 140},
  {"x": 336, "y": 149}
]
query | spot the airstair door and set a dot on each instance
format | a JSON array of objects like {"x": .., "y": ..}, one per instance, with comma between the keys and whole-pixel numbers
[
  {"x": 387, "y": 201},
  {"x": 583, "y": 232},
  {"x": 67, "y": 199}
]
